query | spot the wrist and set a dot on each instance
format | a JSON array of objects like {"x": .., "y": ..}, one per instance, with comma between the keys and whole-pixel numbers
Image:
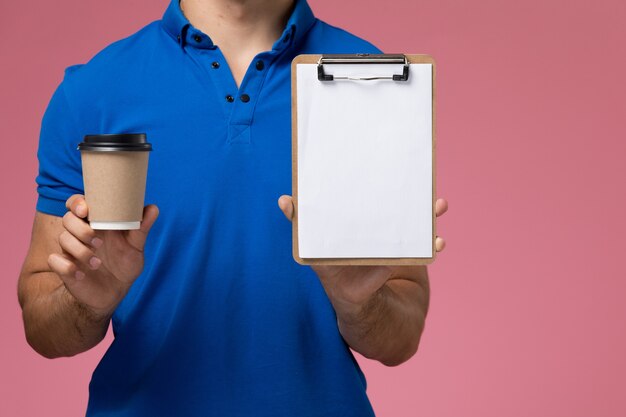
[
  {"x": 362, "y": 316},
  {"x": 86, "y": 314}
]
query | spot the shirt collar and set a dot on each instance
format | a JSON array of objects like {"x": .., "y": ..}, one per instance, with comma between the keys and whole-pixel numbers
[{"x": 178, "y": 27}]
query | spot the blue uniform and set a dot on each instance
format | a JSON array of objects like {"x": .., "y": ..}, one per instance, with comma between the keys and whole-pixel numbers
[{"x": 222, "y": 321}]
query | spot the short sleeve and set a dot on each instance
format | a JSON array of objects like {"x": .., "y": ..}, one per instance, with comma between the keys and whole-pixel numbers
[{"x": 60, "y": 169}]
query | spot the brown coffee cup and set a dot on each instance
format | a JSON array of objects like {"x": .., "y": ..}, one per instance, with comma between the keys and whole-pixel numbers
[{"x": 115, "y": 168}]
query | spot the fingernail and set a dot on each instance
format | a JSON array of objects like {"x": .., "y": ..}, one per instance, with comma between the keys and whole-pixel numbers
[
  {"x": 94, "y": 262},
  {"x": 79, "y": 275},
  {"x": 96, "y": 242},
  {"x": 80, "y": 209}
]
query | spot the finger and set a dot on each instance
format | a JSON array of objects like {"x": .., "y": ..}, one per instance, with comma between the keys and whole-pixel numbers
[
  {"x": 72, "y": 200},
  {"x": 77, "y": 205},
  {"x": 137, "y": 238},
  {"x": 440, "y": 244},
  {"x": 74, "y": 247},
  {"x": 81, "y": 230},
  {"x": 441, "y": 206},
  {"x": 64, "y": 268},
  {"x": 285, "y": 202}
]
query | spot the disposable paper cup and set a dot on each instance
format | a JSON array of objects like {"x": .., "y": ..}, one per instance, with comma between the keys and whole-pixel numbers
[{"x": 115, "y": 168}]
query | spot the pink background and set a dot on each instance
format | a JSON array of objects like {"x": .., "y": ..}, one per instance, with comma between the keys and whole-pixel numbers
[{"x": 528, "y": 315}]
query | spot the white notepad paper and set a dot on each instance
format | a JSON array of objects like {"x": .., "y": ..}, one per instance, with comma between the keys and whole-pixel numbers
[{"x": 364, "y": 163}]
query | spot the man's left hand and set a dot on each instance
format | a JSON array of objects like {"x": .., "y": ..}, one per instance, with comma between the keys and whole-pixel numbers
[{"x": 380, "y": 309}]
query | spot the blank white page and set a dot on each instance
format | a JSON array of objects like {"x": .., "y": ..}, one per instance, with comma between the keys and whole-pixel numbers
[{"x": 364, "y": 163}]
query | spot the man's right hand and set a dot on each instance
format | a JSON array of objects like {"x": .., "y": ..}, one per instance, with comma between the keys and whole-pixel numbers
[{"x": 99, "y": 266}]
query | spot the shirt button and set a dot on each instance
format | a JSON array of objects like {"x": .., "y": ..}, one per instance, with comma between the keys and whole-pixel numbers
[
  {"x": 197, "y": 38},
  {"x": 260, "y": 65},
  {"x": 215, "y": 65},
  {"x": 230, "y": 98},
  {"x": 245, "y": 98}
]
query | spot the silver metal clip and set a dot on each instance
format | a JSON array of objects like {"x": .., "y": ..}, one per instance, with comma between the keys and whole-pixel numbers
[{"x": 363, "y": 59}]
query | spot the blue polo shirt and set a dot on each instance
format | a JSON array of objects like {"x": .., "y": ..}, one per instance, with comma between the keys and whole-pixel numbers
[{"x": 222, "y": 321}]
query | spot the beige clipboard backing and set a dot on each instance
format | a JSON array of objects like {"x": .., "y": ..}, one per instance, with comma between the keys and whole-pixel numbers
[{"x": 314, "y": 59}]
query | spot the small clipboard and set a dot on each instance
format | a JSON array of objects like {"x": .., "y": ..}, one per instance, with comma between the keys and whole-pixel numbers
[{"x": 363, "y": 158}]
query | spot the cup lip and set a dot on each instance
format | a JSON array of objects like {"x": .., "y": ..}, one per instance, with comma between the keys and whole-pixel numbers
[{"x": 115, "y": 142}]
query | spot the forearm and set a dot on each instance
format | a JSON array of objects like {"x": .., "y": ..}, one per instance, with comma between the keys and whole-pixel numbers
[
  {"x": 56, "y": 324},
  {"x": 389, "y": 325}
]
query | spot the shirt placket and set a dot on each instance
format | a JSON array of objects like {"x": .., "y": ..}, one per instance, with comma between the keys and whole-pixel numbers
[{"x": 238, "y": 103}]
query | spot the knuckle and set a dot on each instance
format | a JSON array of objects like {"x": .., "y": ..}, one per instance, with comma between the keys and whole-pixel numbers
[
  {"x": 77, "y": 201},
  {"x": 80, "y": 229},
  {"x": 67, "y": 269},
  {"x": 67, "y": 217},
  {"x": 71, "y": 199},
  {"x": 84, "y": 253},
  {"x": 88, "y": 232},
  {"x": 89, "y": 235},
  {"x": 74, "y": 246},
  {"x": 65, "y": 236},
  {"x": 61, "y": 268},
  {"x": 50, "y": 261}
]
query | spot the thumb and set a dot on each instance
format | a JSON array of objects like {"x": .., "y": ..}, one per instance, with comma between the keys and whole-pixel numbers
[
  {"x": 137, "y": 238},
  {"x": 285, "y": 202}
]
